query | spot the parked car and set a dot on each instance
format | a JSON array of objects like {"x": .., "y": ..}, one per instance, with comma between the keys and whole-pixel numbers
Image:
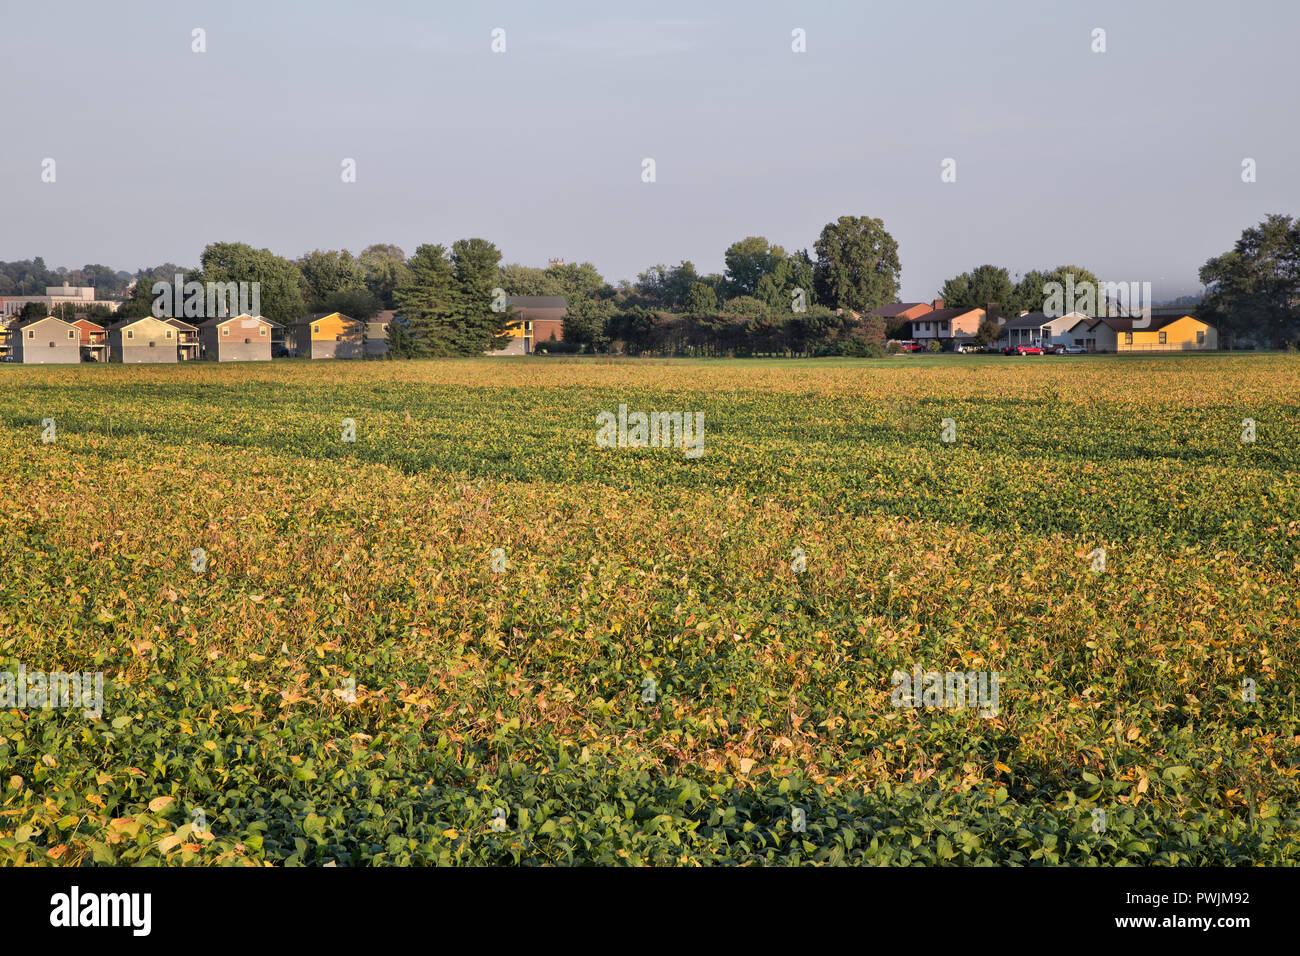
[
  {"x": 969, "y": 348},
  {"x": 913, "y": 347},
  {"x": 1028, "y": 350},
  {"x": 1070, "y": 350}
]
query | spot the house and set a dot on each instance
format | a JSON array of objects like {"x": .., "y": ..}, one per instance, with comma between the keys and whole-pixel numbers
[
  {"x": 1084, "y": 333},
  {"x": 1038, "y": 328},
  {"x": 330, "y": 336},
  {"x": 47, "y": 341},
  {"x": 904, "y": 311},
  {"x": 93, "y": 339},
  {"x": 238, "y": 338},
  {"x": 941, "y": 323},
  {"x": 1169, "y": 332},
  {"x": 146, "y": 339},
  {"x": 376, "y": 334},
  {"x": 187, "y": 339},
  {"x": 538, "y": 319}
]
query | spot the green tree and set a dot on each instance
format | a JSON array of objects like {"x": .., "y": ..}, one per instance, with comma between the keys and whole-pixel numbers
[
  {"x": 977, "y": 288},
  {"x": 476, "y": 323},
  {"x": 1033, "y": 291},
  {"x": 857, "y": 264},
  {"x": 748, "y": 261},
  {"x": 426, "y": 300},
  {"x": 586, "y": 323},
  {"x": 701, "y": 300},
  {"x": 281, "y": 292},
  {"x": 358, "y": 304},
  {"x": 1254, "y": 288},
  {"x": 327, "y": 272},
  {"x": 667, "y": 288},
  {"x": 385, "y": 270}
]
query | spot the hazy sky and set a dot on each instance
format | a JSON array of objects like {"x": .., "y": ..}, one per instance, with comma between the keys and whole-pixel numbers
[{"x": 1127, "y": 162}]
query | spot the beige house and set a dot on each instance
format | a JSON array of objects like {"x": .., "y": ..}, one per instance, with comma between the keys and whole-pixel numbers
[
  {"x": 47, "y": 341},
  {"x": 142, "y": 340}
]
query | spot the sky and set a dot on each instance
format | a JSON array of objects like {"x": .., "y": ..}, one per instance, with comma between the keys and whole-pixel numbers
[{"x": 1127, "y": 162}]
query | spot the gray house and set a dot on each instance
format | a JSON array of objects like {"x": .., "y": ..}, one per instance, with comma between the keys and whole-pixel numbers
[
  {"x": 145, "y": 339},
  {"x": 376, "y": 335},
  {"x": 47, "y": 341},
  {"x": 240, "y": 338}
]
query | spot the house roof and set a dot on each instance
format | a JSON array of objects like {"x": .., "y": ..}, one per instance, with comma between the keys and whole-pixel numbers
[
  {"x": 123, "y": 323},
  {"x": 181, "y": 324},
  {"x": 538, "y": 301},
  {"x": 944, "y": 315},
  {"x": 1031, "y": 320},
  {"x": 38, "y": 321},
  {"x": 222, "y": 320},
  {"x": 893, "y": 309},
  {"x": 93, "y": 325},
  {"x": 1154, "y": 323}
]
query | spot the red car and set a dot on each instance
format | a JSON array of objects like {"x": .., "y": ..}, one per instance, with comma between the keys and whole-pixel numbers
[
  {"x": 913, "y": 347},
  {"x": 1028, "y": 350}
]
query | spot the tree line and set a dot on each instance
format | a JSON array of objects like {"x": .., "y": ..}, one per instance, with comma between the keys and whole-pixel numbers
[{"x": 766, "y": 301}]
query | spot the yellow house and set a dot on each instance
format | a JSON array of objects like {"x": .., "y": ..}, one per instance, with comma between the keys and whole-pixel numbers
[
  {"x": 330, "y": 336},
  {"x": 1167, "y": 333}
]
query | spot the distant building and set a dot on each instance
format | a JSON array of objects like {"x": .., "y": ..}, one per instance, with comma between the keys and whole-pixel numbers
[
  {"x": 56, "y": 298},
  {"x": 143, "y": 340},
  {"x": 240, "y": 338},
  {"x": 187, "y": 339},
  {"x": 330, "y": 336},
  {"x": 376, "y": 334},
  {"x": 538, "y": 319},
  {"x": 47, "y": 341},
  {"x": 94, "y": 340}
]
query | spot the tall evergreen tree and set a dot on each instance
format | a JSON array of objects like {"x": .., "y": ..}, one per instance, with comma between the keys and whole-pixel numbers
[
  {"x": 426, "y": 299},
  {"x": 476, "y": 326}
]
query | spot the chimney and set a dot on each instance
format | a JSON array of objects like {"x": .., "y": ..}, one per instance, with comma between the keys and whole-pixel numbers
[{"x": 938, "y": 304}]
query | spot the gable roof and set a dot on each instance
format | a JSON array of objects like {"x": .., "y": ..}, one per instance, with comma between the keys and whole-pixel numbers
[
  {"x": 93, "y": 325},
  {"x": 218, "y": 321},
  {"x": 48, "y": 318},
  {"x": 123, "y": 323},
  {"x": 892, "y": 310},
  {"x": 1153, "y": 324},
  {"x": 181, "y": 324},
  {"x": 944, "y": 315},
  {"x": 538, "y": 301}
]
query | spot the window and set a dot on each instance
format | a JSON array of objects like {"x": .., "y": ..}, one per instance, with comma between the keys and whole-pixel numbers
[
  {"x": 315, "y": 330},
  {"x": 225, "y": 331},
  {"x": 169, "y": 335},
  {"x": 1128, "y": 338},
  {"x": 262, "y": 331},
  {"x": 72, "y": 334},
  {"x": 31, "y": 333},
  {"x": 1200, "y": 338},
  {"x": 152, "y": 343},
  {"x": 130, "y": 334},
  {"x": 1163, "y": 340},
  {"x": 52, "y": 345}
]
